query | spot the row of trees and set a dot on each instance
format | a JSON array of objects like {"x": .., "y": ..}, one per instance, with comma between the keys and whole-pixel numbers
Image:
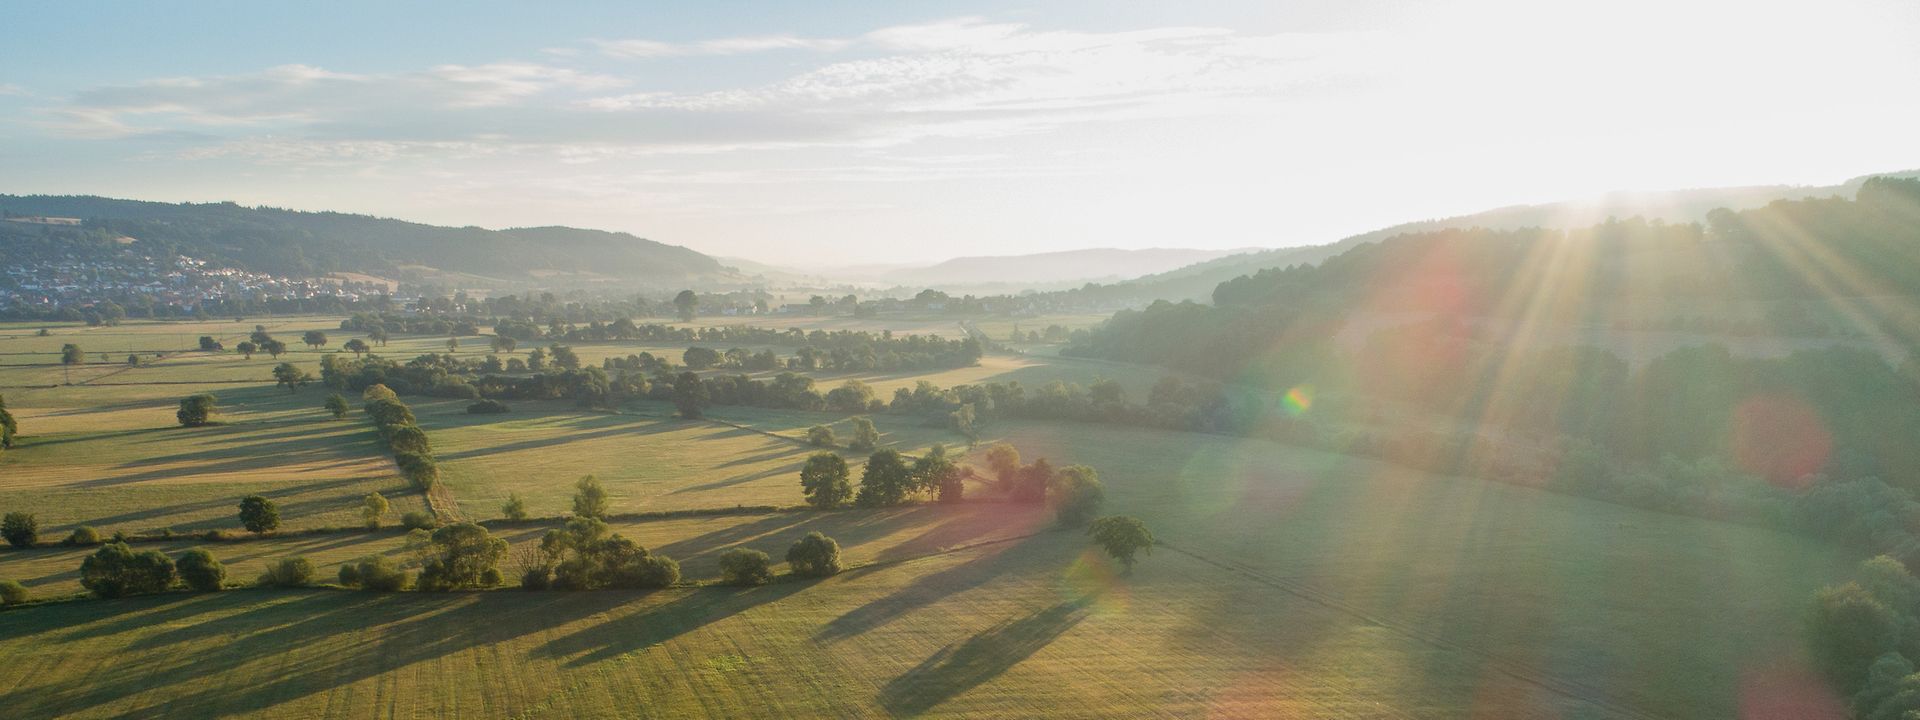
[{"x": 412, "y": 452}]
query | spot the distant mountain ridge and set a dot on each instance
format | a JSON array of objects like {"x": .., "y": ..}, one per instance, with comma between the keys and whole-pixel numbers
[{"x": 312, "y": 243}]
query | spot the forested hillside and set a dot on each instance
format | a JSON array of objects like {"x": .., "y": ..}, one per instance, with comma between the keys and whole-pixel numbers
[
  {"x": 1516, "y": 332},
  {"x": 309, "y": 243}
]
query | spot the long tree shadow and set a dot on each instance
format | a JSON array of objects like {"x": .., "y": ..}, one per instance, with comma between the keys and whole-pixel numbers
[
  {"x": 962, "y": 666},
  {"x": 991, "y": 563},
  {"x": 639, "y": 630}
]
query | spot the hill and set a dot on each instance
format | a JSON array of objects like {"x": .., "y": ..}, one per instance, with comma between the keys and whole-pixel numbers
[
  {"x": 1069, "y": 266},
  {"x": 312, "y": 243},
  {"x": 1197, "y": 281}
]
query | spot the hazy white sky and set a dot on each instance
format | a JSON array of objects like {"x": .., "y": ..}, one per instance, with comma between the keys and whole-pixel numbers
[{"x": 827, "y": 132}]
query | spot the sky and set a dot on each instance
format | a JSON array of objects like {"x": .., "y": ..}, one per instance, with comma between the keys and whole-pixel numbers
[{"x": 830, "y": 133}]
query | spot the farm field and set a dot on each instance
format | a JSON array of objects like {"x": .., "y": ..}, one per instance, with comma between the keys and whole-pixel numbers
[{"x": 1291, "y": 581}]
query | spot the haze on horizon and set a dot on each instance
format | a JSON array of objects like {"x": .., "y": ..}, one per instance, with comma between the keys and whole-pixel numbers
[{"x": 827, "y": 133}]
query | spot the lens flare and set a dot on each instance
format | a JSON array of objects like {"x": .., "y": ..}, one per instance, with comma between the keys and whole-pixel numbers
[
  {"x": 1298, "y": 400},
  {"x": 1095, "y": 579}
]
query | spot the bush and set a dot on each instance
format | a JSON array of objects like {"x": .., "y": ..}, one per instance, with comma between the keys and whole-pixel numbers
[
  {"x": 815, "y": 555},
  {"x": 290, "y": 572},
  {"x": 374, "y": 572},
  {"x": 419, "y": 520},
  {"x": 13, "y": 593},
  {"x": 487, "y": 407},
  {"x": 201, "y": 571},
  {"x": 516, "y": 508},
  {"x": 492, "y": 577},
  {"x": 115, "y": 570},
  {"x": 821, "y": 436},
  {"x": 258, "y": 514},
  {"x": 745, "y": 567},
  {"x": 538, "y": 577},
  {"x": 651, "y": 572},
  {"x": 83, "y": 535},
  {"x": 1077, "y": 495},
  {"x": 20, "y": 529}
]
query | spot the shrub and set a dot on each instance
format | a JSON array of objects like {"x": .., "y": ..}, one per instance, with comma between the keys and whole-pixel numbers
[
  {"x": 487, "y": 407},
  {"x": 337, "y": 406},
  {"x": 115, "y": 570},
  {"x": 815, "y": 555},
  {"x": 13, "y": 593},
  {"x": 83, "y": 535},
  {"x": 258, "y": 514},
  {"x": 821, "y": 436},
  {"x": 650, "y": 572},
  {"x": 374, "y": 572},
  {"x": 491, "y": 577},
  {"x": 419, "y": 520},
  {"x": 372, "y": 508},
  {"x": 515, "y": 509},
  {"x": 537, "y": 577},
  {"x": 201, "y": 571},
  {"x": 290, "y": 572},
  {"x": 1077, "y": 495},
  {"x": 20, "y": 529},
  {"x": 745, "y": 567},
  {"x": 865, "y": 436}
]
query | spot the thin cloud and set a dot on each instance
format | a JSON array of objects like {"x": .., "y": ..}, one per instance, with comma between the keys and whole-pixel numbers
[{"x": 722, "y": 46}]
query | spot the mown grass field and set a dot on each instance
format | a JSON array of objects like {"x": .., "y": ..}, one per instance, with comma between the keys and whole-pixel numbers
[{"x": 1293, "y": 583}]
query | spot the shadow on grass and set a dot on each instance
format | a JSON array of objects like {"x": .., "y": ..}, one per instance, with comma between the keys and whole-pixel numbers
[
  {"x": 962, "y": 666},
  {"x": 679, "y": 616}
]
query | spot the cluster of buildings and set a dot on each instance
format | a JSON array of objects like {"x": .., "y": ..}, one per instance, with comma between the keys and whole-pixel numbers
[{"x": 184, "y": 283}]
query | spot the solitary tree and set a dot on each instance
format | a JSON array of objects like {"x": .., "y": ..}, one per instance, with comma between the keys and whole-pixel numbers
[
  {"x": 290, "y": 377},
  {"x": 885, "y": 481},
  {"x": 357, "y": 346},
  {"x": 70, "y": 355},
  {"x": 247, "y": 348},
  {"x": 865, "y": 436},
  {"x": 821, "y": 436},
  {"x": 690, "y": 396},
  {"x": 115, "y": 570},
  {"x": 274, "y": 348},
  {"x": 337, "y": 406},
  {"x": 589, "y": 498},
  {"x": 201, "y": 571},
  {"x": 1031, "y": 484},
  {"x": 314, "y": 339},
  {"x": 815, "y": 555},
  {"x": 258, "y": 514},
  {"x": 372, "y": 508},
  {"x": 453, "y": 344},
  {"x": 824, "y": 480},
  {"x": 700, "y": 358},
  {"x": 515, "y": 509},
  {"x": 745, "y": 566},
  {"x": 195, "y": 410},
  {"x": 687, "y": 304},
  {"x": 1077, "y": 495},
  {"x": 1122, "y": 537},
  {"x": 502, "y": 344},
  {"x": 20, "y": 529}
]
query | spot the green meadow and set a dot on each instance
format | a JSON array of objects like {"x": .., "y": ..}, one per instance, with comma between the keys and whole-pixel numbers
[{"x": 1290, "y": 582}]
